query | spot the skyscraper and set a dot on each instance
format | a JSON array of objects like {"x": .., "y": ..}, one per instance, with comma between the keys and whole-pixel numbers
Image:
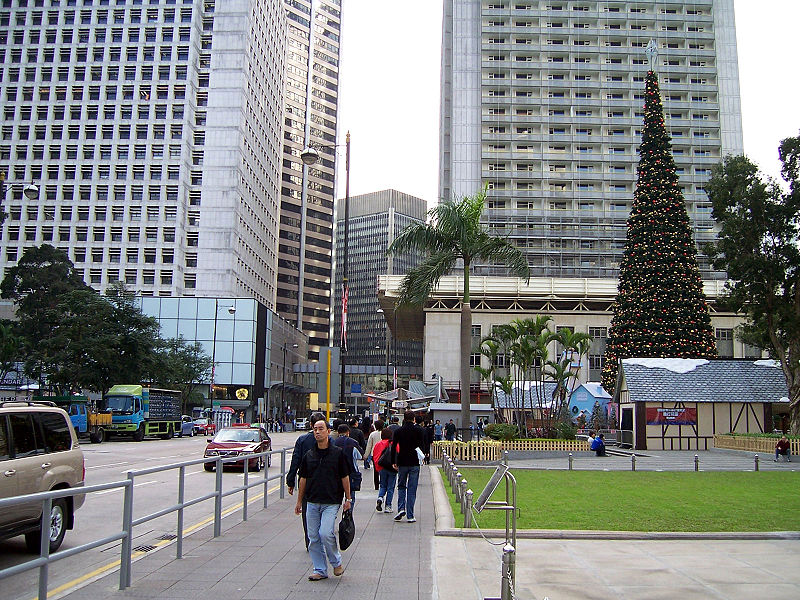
[
  {"x": 307, "y": 193},
  {"x": 543, "y": 101},
  {"x": 376, "y": 219},
  {"x": 154, "y": 135}
]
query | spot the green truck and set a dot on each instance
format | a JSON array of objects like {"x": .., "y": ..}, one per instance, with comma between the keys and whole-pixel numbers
[{"x": 139, "y": 411}]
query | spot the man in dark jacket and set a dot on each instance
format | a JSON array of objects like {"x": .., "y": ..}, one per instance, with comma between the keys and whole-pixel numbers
[
  {"x": 302, "y": 445},
  {"x": 352, "y": 451},
  {"x": 358, "y": 435},
  {"x": 405, "y": 460}
]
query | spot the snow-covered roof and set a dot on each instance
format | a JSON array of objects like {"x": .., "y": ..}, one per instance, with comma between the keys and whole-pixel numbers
[
  {"x": 596, "y": 390},
  {"x": 697, "y": 380}
]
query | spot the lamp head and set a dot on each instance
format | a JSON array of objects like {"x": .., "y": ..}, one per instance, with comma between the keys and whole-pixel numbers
[
  {"x": 231, "y": 309},
  {"x": 31, "y": 191},
  {"x": 309, "y": 156}
]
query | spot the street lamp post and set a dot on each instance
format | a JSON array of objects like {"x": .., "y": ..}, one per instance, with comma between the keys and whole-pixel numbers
[
  {"x": 309, "y": 156},
  {"x": 283, "y": 379},
  {"x": 231, "y": 310}
]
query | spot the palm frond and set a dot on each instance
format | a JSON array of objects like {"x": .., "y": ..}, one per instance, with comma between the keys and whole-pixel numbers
[{"x": 422, "y": 279}]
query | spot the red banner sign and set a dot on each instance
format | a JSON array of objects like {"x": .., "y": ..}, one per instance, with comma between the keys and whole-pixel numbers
[{"x": 671, "y": 416}]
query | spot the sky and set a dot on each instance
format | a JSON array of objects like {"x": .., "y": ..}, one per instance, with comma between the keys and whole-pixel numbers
[{"x": 389, "y": 89}]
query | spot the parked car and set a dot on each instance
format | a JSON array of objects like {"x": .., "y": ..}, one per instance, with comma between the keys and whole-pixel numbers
[
  {"x": 39, "y": 452},
  {"x": 204, "y": 427},
  {"x": 301, "y": 424},
  {"x": 187, "y": 426},
  {"x": 239, "y": 440}
]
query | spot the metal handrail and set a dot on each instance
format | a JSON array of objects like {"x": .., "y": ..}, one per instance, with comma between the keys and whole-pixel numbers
[{"x": 128, "y": 522}]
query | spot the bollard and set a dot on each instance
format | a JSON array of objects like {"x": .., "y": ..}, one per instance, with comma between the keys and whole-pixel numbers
[
  {"x": 570, "y": 461},
  {"x": 462, "y": 490},
  {"x": 468, "y": 509},
  {"x": 505, "y": 457},
  {"x": 696, "y": 462},
  {"x": 633, "y": 462},
  {"x": 457, "y": 482},
  {"x": 507, "y": 580},
  {"x": 755, "y": 458}
]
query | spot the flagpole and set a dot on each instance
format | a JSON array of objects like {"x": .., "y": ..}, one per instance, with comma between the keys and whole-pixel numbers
[{"x": 343, "y": 344}]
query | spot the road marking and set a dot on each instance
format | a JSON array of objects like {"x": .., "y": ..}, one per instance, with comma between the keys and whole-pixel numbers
[
  {"x": 97, "y": 573},
  {"x": 119, "y": 489},
  {"x": 108, "y": 465}
]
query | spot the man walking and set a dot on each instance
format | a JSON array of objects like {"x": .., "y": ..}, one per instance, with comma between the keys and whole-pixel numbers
[
  {"x": 405, "y": 442},
  {"x": 352, "y": 452},
  {"x": 324, "y": 481},
  {"x": 450, "y": 431},
  {"x": 302, "y": 445}
]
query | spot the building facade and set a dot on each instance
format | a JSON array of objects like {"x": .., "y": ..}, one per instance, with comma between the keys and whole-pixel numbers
[
  {"x": 153, "y": 133},
  {"x": 307, "y": 192},
  {"x": 542, "y": 100},
  {"x": 376, "y": 219}
]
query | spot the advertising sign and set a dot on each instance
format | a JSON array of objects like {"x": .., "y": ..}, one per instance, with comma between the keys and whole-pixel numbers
[{"x": 671, "y": 416}]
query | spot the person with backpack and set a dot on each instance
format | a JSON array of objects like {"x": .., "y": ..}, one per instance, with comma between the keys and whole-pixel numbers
[
  {"x": 352, "y": 450},
  {"x": 387, "y": 475},
  {"x": 373, "y": 439}
]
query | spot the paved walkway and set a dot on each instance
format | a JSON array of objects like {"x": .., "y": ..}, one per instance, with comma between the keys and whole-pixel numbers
[{"x": 264, "y": 558}]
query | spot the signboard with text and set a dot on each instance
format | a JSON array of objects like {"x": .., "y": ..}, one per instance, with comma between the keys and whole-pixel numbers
[{"x": 671, "y": 416}]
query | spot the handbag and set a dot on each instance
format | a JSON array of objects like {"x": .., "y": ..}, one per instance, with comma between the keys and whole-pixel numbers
[
  {"x": 385, "y": 459},
  {"x": 347, "y": 529}
]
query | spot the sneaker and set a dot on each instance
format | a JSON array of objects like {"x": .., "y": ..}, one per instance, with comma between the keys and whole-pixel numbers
[
  {"x": 399, "y": 516},
  {"x": 338, "y": 570},
  {"x": 379, "y": 506},
  {"x": 388, "y": 509},
  {"x": 412, "y": 520}
]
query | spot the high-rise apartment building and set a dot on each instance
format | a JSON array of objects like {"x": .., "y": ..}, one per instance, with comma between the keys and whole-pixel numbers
[
  {"x": 307, "y": 192},
  {"x": 543, "y": 101},
  {"x": 376, "y": 219},
  {"x": 153, "y": 131}
]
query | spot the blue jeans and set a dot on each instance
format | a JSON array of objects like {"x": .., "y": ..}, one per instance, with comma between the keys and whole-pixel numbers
[
  {"x": 321, "y": 519},
  {"x": 407, "y": 479},
  {"x": 386, "y": 485}
]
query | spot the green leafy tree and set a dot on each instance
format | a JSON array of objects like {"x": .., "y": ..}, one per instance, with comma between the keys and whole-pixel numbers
[
  {"x": 758, "y": 247},
  {"x": 182, "y": 365},
  {"x": 454, "y": 237},
  {"x": 660, "y": 309},
  {"x": 10, "y": 349}
]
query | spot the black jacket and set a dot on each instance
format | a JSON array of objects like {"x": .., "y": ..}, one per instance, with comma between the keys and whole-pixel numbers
[
  {"x": 302, "y": 445},
  {"x": 405, "y": 442}
]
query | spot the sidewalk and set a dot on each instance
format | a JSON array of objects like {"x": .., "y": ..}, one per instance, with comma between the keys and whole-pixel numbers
[{"x": 265, "y": 559}]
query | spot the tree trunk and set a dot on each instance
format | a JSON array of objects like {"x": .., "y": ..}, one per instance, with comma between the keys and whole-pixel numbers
[{"x": 466, "y": 348}]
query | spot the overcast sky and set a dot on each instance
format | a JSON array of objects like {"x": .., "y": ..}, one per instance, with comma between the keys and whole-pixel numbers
[{"x": 389, "y": 89}]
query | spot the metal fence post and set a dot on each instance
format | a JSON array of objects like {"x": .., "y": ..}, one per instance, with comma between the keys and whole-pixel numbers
[
  {"x": 570, "y": 461},
  {"x": 44, "y": 540},
  {"x": 507, "y": 580},
  {"x": 468, "y": 511},
  {"x": 127, "y": 541},
  {"x": 218, "y": 501},
  {"x": 181, "y": 475},
  {"x": 755, "y": 459},
  {"x": 633, "y": 462},
  {"x": 283, "y": 478},
  {"x": 696, "y": 462},
  {"x": 245, "y": 490}
]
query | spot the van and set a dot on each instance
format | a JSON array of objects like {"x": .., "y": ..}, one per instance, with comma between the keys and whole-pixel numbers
[{"x": 39, "y": 452}]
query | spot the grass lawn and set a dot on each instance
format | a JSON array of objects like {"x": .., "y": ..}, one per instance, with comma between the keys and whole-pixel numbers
[{"x": 644, "y": 501}]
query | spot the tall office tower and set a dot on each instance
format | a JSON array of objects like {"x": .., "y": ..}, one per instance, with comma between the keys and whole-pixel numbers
[
  {"x": 375, "y": 221},
  {"x": 543, "y": 101},
  {"x": 307, "y": 193},
  {"x": 153, "y": 133}
]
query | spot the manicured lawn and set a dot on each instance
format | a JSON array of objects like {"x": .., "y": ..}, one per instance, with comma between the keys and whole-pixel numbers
[{"x": 644, "y": 501}]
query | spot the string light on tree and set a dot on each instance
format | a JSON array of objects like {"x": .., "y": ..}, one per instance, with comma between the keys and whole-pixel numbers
[{"x": 660, "y": 309}]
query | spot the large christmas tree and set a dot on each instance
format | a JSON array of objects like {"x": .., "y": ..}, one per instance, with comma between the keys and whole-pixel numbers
[{"x": 660, "y": 309}]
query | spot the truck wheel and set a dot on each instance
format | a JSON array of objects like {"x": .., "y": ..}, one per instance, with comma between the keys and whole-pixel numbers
[
  {"x": 58, "y": 528},
  {"x": 138, "y": 435},
  {"x": 170, "y": 433},
  {"x": 98, "y": 437}
]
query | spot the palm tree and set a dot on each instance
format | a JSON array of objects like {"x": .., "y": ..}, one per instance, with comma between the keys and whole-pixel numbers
[{"x": 454, "y": 235}]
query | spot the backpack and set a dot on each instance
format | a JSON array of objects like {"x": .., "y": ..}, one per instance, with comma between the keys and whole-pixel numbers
[{"x": 385, "y": 459}]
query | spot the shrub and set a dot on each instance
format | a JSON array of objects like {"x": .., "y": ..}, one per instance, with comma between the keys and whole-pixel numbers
[
  {"x": 566, "y": 431},
  {"x": 502, "y": 431}
]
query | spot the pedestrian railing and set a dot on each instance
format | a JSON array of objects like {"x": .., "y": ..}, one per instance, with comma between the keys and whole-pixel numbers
[
  {"x": 128, "y": 522},
  {"x": 765, "y": 445},
  {"x": 492, "y": 450}
]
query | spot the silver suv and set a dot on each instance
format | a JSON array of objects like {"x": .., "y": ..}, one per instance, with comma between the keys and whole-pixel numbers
[{"x": 39, "y": 452}]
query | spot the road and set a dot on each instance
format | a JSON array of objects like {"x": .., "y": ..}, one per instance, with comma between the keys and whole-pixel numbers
[{"x": 101, "y": 513}]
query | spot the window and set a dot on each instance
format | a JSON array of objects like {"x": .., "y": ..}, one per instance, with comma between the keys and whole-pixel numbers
[{"x": 724, "y": 342}]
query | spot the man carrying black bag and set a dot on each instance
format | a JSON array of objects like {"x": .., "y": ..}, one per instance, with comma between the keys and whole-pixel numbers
[{"x": 324, "y": 481}]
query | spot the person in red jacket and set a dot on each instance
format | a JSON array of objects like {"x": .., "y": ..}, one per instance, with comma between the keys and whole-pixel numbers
[
  {"x": 386, "y": 477},
  {"x": 782, "y": 448}
]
